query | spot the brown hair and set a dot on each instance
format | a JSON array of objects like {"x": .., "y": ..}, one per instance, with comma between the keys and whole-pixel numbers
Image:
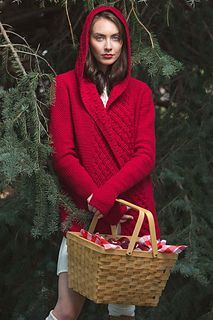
[{"x": 118, "y": 70}]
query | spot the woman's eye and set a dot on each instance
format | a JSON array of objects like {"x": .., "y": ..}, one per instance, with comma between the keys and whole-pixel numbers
[
  {"x": 99, "y": 38},
  {"x": 116, "y": 38}
]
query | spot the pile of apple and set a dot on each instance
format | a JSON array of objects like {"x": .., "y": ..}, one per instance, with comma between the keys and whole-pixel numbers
[{"x": 124, "y": 243}]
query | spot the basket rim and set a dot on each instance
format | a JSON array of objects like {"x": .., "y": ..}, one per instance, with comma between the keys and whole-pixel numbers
[{"x": 76, "y": 236}]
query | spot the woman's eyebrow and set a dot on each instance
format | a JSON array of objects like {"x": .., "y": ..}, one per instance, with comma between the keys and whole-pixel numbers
[
  {"x": 98, "y": 34},
  {"x": 102, "y": 34}
]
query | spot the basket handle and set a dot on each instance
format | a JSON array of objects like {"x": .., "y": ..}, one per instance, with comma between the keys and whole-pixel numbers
[{"x": 142, "y": 212}]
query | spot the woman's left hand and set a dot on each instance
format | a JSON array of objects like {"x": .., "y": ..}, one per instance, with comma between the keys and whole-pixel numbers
[{"x": 125, "y": 218}]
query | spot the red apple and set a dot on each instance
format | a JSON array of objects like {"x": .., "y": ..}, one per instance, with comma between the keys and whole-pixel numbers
[
  {"x": 143, "y": 247},
  {"x": 140, "y": 246},
  {"x": 137, "y": 245},
  {"x": 114, "y": 241},
  {"x": 124, "y": 242}
]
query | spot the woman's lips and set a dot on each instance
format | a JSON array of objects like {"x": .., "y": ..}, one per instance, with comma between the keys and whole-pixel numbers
[{"x": 107, "y": 56}]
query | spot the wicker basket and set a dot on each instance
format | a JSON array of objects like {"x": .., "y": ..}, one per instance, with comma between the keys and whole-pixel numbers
[{"x": 119, "y": 276}]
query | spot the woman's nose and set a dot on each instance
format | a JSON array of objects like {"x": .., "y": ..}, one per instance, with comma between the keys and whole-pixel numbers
[{"x": 108, "y": 45}]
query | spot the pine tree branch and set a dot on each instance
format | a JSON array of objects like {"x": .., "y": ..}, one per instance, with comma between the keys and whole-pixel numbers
[
  {"x": 208, "y": 30},
  {"x": 149, "y": 33},
  {"x": 14, "y": 52},
  {"x": 29, "y": 53},
  {"x": 70, "y": 25},
  {"x": 186, "y": 198},
  {"x": 168, "y": 204}
]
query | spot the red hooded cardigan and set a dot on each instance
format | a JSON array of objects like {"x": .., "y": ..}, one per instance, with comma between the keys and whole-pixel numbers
[{"x": 110, "y": 151}]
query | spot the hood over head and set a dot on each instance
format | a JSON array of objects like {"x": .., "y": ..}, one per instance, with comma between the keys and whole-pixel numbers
[{"x": 84, "y": 40}]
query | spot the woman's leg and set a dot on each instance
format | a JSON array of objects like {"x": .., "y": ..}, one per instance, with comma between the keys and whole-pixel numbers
[
  {"x": 117, "y": 310},
  {"x": 70, "y": 303}
]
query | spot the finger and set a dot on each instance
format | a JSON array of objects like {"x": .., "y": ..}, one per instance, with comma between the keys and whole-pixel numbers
[
  {"x": 98, "y": 214},
  {"x": 95, "y": 211},
  {"x": 127, "y": 217},
  {"x": 90, "y": 207}
]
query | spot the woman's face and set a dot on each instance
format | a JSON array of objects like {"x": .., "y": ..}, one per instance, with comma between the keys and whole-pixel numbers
[{"x": 105, "y": 42}]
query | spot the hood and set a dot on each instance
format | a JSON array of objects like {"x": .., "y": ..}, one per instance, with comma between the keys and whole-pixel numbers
[{"x": 84, "y": 40}]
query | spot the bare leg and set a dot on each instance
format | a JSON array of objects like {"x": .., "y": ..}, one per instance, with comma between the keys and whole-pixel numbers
[{"x": 70, "y": 303}]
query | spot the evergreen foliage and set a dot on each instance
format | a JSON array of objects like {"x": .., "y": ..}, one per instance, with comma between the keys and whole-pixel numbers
[{"x": 171, "y": 44}]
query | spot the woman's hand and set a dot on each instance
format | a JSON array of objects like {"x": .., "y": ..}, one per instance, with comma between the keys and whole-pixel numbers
[
  {"x": 99, "y": 215},
  {"x": 96, "y": 212},
  {"x": 125, "y": 218}
]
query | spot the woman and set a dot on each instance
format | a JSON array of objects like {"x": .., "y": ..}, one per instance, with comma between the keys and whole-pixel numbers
[{"x": 102, "y": 128}]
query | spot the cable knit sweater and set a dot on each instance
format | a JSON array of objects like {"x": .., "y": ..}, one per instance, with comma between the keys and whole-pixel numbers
[{"x": 108, "y": 152}]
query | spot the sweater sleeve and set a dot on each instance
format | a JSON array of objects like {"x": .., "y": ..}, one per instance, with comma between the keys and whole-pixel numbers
[
  {"x": 139, "y": 166},
  {"x": 65, "y": 158}
]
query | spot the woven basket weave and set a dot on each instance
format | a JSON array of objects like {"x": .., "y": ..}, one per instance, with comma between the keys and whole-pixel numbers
[{"x": 119, "y": 276}]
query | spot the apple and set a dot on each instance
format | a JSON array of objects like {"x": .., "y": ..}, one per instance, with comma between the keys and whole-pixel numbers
[
  {"x": 124, "y": 242},
  {"x": 143, "y": 247},
  {"x": 140, "y": 246},
  {"x": 137, "y": 245},
  {"x": 114, "y": 241}
]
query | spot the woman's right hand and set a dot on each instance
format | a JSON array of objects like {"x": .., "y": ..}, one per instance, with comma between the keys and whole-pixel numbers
[{"x": 96, "y": 212}]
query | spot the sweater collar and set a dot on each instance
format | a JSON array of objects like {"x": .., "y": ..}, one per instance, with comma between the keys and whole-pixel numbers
[{"x": 100, "y": 115}]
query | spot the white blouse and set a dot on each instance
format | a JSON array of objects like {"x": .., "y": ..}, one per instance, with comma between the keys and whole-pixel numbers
[{"x": 104, "y": 97}]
